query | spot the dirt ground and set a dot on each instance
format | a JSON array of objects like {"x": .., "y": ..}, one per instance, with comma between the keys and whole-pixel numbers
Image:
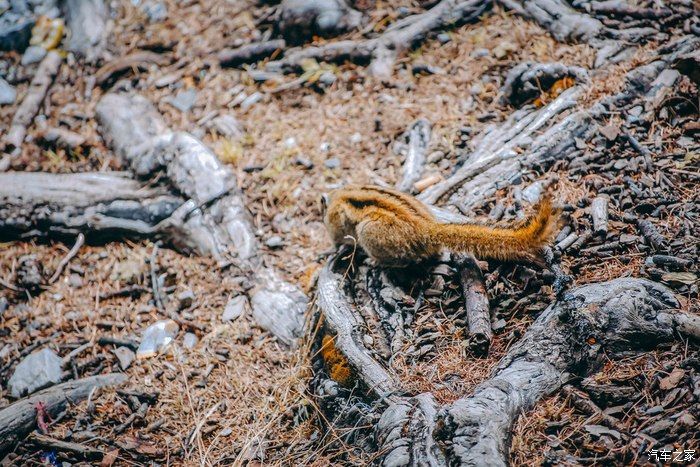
[{"x": 239, "y": 396}]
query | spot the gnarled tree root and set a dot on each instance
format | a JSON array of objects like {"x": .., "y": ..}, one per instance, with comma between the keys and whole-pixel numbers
[{"x": 567, "y": 339}]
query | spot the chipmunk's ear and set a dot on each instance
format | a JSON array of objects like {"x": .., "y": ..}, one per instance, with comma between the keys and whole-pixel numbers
[{"x": 324, "y": 202}]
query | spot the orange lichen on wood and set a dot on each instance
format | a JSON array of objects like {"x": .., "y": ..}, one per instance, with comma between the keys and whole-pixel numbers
[
  {"x": 336, "y": 363},
  {"x": 557, "y": 88}
]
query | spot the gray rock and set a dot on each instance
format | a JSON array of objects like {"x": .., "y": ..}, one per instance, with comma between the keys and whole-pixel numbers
[
  {"x": 15, "y": 31},
  {"x": 157, "y": 337},
  {"x": 37, "y": 370},
  {"x": 227, "y": 125},
  {"x": 8, "y": 93},
  {"x": 183, "y": 100},
  {"x": 186, "y": 299},
  {"x": 332, "y": 163},
  {"x": 327, "y": 78},
  {"x": 479, "y": 53},
  {"x": 156, "y": 11},
  {"x": 125, "y": 356},
  {"x": 274, "y": 241},
  {"x": 443, "y": 38},
  {"x": 33, "y": 54},
  {"x": 190, "y": 340},
  {"x": 235, "y": 308},
  {"x": 3, "y": 306}
]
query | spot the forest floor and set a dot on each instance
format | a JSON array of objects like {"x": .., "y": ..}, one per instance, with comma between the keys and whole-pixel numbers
[{"x": 238, "y": 395}]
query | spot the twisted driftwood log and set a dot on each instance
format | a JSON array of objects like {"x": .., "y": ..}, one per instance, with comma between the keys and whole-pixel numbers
[{"x": 547, "y": 134}]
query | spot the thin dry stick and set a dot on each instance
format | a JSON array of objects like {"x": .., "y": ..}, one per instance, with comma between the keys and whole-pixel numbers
[{"x": 71, "y": 254}]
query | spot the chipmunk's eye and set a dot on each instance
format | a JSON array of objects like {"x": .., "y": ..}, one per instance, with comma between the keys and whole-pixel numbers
[{"x": 324, "y": 202}]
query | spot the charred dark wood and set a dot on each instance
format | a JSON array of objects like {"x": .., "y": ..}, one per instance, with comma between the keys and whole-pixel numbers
[
  {"x": 300, "y": 20},
  {"x": 80, "y": 450},
  {"x": 19, "y": 418}
]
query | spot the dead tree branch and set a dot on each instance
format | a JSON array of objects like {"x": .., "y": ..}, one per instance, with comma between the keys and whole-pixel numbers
[
  {"x": 32, "y": 101},
  {"x": 101, "y": 206},
  {"x": 383, "y": 50},
  {"x": 19, "y": 418},
  {"x": 417, "y": 140}
]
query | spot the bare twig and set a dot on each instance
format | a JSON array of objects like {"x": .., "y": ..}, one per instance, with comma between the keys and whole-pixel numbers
[{"x": 71, "y": 254}]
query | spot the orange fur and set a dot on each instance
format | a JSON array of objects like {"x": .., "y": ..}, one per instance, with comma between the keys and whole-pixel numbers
[{"x": 395, "y": 229}]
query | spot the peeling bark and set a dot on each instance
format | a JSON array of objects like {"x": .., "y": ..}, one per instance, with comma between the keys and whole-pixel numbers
[
  {"x": 417, "y": 140},
  {"x": 103, "y": 206},
  {"x": 30, "y": 105}
]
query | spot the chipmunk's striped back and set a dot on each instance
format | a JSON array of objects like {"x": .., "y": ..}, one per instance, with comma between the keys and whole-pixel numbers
[{"x": 395, "y": 229}]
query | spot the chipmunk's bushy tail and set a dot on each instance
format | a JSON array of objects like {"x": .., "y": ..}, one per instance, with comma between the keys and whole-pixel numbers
[{"x": 523, "y": 243}]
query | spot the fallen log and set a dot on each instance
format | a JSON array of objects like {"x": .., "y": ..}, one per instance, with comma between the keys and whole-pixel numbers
[
  {"x": 19, "y": 418},
  {"x": 103, "y": 206},
  {"x": 383, "y": 51}
]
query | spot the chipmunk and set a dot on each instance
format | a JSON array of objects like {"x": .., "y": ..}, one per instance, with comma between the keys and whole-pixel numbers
[{"x": 396, "y": 230}]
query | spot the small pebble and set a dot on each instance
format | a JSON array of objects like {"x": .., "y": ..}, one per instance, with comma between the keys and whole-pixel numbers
[
  {"x": 327, "y": 78},
  {"x": 235, "y": 308},
  {"x": 33, "y": 54},
  {"x": 35, "y": 371},
  {"x": 479, "y": 53},
  {"x": 8, "y": 93},
  {"x": 157, "y": 337},
  {"x": 183, "y": 100},
  {"x": 125, "y": 356},
  {"x": 274, "y": 241},
  {"x": 332, "y": 163},
  {"x": 186, "y": 299},
  {"x": 443, "y": 38},
  {"x": 190, "y": 340}
]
